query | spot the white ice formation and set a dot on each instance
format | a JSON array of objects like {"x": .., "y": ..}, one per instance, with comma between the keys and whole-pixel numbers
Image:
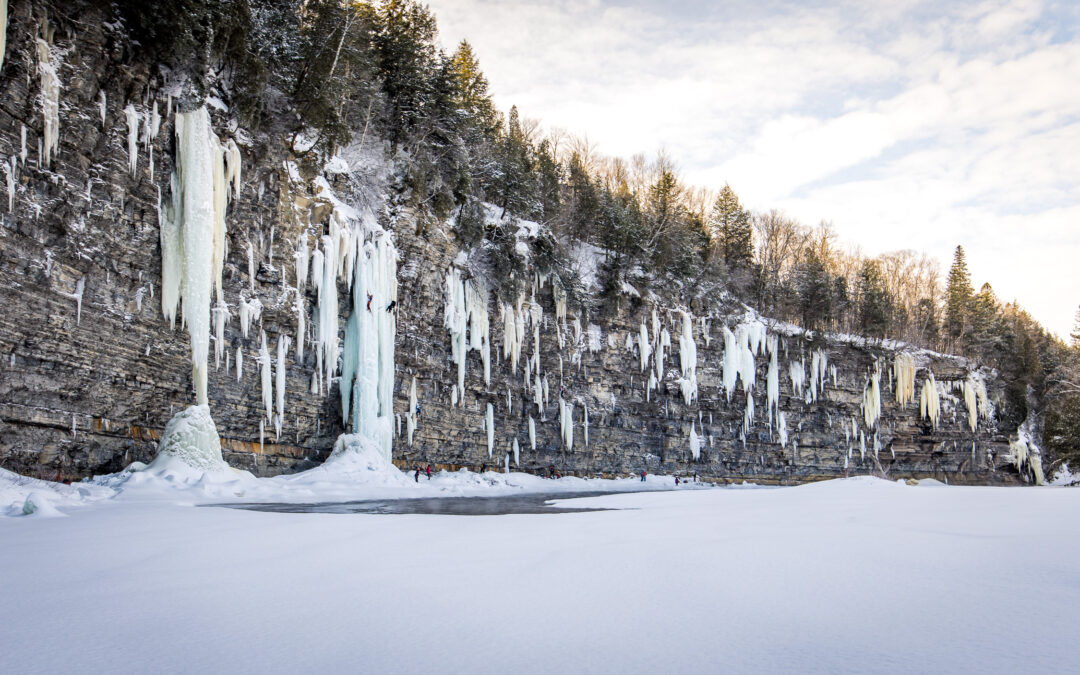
[
  {"x": 695, "y": 442},
  {"x": 871, "y": 404},
  {"x": 190, "y": 438},
  {"x": 132, "y": 117},
  {"x": 904, "y": 378},
  {"x": 266, "y": 378},
  {"x": 367, "y": 372},
  {"x": 410, "y": 416},
  {"x": 978, "y": 405},
  {"x": 466, "y": 317},
  {"x": 279, "y": 384},
  {"x": 50, "y": 94},
  {"x": 929, "y": 402},
  {"x": 566, "y": 423},
  {"x": 489, "y": 426},
  {"x": 193, "y": 235},
  {"x": 688, "y": 360}
]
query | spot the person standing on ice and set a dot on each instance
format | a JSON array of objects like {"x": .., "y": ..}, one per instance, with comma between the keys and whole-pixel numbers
[
  {"x": 416, "y": 476},
  {"x": 429, "y": 472},
  {"x": 643, "y": 475}
]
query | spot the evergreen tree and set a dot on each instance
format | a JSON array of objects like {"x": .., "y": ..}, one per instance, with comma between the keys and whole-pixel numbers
[
  {"x": 516, "y": 184},
  {"x": 958, "y": 297},
  {"x": 731, "y": 230},
  {"x": 405, "y": 46},
  {"x": 549, "y": 176},
  {"x": 471, "y": 94},
  {"x": 815, "y": 292},
  {"x": 584, "y": 201},
  {"x": 874, "y": 302}
]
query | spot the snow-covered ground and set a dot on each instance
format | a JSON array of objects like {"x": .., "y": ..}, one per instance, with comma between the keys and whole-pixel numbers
[{"x": 857, "y": 575}]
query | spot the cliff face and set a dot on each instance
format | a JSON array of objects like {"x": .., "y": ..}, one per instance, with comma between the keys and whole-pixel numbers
[{"x": 88, "y": 391}]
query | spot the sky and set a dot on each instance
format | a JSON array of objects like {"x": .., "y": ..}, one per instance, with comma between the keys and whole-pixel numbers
[{"x": 907, "y": 124}]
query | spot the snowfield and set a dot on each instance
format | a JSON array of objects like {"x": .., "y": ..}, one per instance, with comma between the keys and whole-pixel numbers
[{"x": 857, "y": 575}]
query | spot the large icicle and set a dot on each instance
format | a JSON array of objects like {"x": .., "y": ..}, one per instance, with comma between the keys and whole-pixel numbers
[
  {"x": 904, "y": 378},
  {"x": 929, "y": 402},
  {"x": 772, "y": 381},
  {"x": 644, "y": 347},
  {"x": 532, "y": 433},
  {"x": 367, "y": 374},
  {"x": 566, "y": 423},
  {"x": 695, "y": 443},
  {"x": 50, "y": 95},
  {"x": 3, "y": 30},
  {"x": 328, "y": 309},
  {"x": 132, "y": 117},
  {"x": 479, "y": 324},
  {"x": 199, "y": 226},
  {"x": 221, "y": 318},
  {"x": 301, "y": 327},
  {"x": 279, "y": 385},
  {"x": 489, "y": 426},
  {"x": 302, "y": 258},
  {"x": 266, "y": 378},
  {"x": 410, "y": 417},
  {"x": 819, "y": 365},
  {"x": 688, "y": 360},
  {"x": 455, "y": 320},
  {"x": 872, "y": 401}
]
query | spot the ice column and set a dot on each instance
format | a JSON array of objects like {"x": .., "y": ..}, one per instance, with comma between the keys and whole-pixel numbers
[
  {"x": 929, "y": 402},
  {"x": 50, "y": 95},
  {"x": 410, "y": 417},
  {"x": 904, "y": 374},
  {"x": 367, "y": 373},
  {"x": 489, "y": 426},
  {"x": 132, "y": 117},
  {"x": 688, "y": 360},
  {"x": 193, "y": 236}
]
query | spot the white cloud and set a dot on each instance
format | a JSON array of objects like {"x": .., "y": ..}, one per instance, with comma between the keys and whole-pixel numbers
[{"x": 907, "y": 124}]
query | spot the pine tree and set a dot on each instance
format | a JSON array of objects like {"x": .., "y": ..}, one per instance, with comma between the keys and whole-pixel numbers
[
  {"x": 471, "y": 94},
  {"x": 1076, "y": 331},
  {"x": 405, "y": 45},
  {"x": 874, "y": 301},
  {"x": 958, "y": 297},
  {"x": 729, "y": 224},
  {"x": 815, "y": 292}
]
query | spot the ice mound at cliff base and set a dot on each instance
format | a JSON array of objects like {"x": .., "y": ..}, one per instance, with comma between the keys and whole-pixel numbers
[
  {"x": 189, "y": 457},
  {"x": 356, "y": 459},
  {"x": 190, "y": 440}
]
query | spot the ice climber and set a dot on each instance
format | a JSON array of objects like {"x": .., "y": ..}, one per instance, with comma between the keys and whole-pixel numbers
[
  {"x": 390, "y": 307},
  {"x": 369, "y": 302}
]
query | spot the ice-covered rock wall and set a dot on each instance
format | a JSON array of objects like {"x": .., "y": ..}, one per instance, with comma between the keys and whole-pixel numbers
[{"x": 351, "y": 316}]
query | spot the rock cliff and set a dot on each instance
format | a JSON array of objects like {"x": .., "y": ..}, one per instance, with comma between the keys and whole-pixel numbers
[{"x": 91, "y": 372}]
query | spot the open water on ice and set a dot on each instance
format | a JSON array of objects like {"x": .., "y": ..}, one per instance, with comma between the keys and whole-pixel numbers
[{"x": 443, "y": 506}]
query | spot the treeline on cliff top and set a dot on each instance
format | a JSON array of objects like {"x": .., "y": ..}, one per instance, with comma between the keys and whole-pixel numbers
[{"x": 349, "y": 72}]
